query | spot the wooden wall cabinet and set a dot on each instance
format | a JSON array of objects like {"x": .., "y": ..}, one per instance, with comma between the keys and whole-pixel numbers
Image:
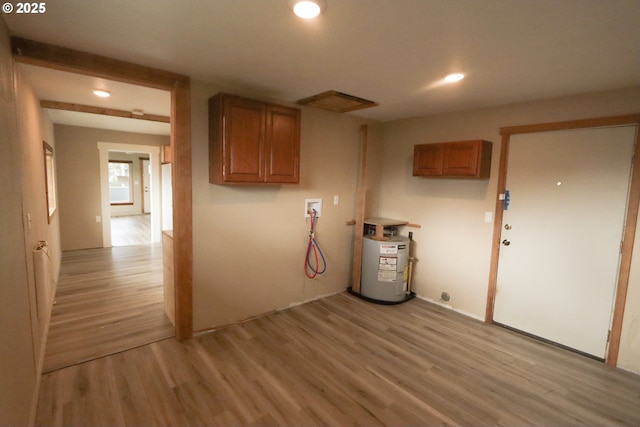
[
  {"x": 253, "y": 142},
  {"x": 460, "y": 159}
]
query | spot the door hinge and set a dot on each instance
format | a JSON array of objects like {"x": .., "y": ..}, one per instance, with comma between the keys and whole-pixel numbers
[{"x": 609, "y": 335}]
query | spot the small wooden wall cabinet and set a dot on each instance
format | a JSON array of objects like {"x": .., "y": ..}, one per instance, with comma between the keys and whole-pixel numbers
[
  {"x": 460, "y": 159},
  {"x": 252, "y": 142}
]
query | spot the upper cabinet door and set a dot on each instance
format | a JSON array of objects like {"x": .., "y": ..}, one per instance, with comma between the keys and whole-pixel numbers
[
  {"x": 461, "y": 159},
  {"x": 243, "y": 140},
  {"x": 283, "y": 144},
  {"x": 427, "y": 159},
  {"x": 252, "y": 142}
]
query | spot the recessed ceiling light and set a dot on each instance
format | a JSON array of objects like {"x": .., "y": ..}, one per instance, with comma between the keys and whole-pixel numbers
[
  {"x": 101, "y": 93},
  {"x": 308, "y": 9},
  {"x": 454, "y": 77}
]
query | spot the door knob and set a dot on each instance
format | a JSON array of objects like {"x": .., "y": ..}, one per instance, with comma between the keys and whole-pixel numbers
[{"x": 506, "y": 242}]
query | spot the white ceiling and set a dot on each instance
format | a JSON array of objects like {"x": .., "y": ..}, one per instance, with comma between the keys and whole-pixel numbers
[
  {"x": 393, "y": 52},
  {"x": 108, "y": 122},
  {"x": 54, "y": 85},
  {"x": 77, "y": 89}
]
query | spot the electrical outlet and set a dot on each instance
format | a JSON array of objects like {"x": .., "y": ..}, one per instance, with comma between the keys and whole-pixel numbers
[{"x": 310, "y": 205}]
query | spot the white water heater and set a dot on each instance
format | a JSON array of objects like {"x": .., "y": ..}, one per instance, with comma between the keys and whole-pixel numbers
[{"x": 385, "y": 269}]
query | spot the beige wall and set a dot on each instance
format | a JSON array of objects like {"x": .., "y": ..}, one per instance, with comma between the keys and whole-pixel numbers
[
  {"x": 453, "y": 247},
  {"x": 79, "y": 180},
  {"x": 34, "y": 127},
  {"x": 17, "y": 376},
  {"x": 24, "y": 127},
  {"x": 249, "y": 242}
]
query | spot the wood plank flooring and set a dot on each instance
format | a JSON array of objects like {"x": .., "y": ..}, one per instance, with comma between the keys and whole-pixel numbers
[
  {"x": 107, "y": 300},
  {"x": 341, "y": 361},
  {"x": 130, "y": 230}
]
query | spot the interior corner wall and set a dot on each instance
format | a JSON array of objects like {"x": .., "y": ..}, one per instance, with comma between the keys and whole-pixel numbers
[
  {"x": 453, "y": 247},
  {"x": 249, "y": 241},
  {"x": 19, "y": 376},
  {"x": 78, "y": 161},
  {"x": 34, "y": 127}
]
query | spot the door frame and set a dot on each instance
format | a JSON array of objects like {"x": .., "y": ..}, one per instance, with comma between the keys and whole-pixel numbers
[
  {"x": 154, "y": 159},
  {"x": 70, "y": 60},
  {"x": 144, "y": 205},
  {"x": 629, "y": 223}
]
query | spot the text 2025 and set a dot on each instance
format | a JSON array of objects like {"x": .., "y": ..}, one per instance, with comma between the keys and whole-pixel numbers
[{"x": 31, "y": 7}]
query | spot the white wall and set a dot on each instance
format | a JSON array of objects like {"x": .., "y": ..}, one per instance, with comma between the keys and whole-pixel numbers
[{"x": 453, "y": 246}]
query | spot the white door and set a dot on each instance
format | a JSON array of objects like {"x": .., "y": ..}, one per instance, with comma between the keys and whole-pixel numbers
[
  {"x": 146, "y": 185},
  {"x": 561, "y": 234}
]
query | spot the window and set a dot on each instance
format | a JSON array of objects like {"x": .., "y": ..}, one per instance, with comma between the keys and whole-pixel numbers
[{"x": 120, "y": 182}]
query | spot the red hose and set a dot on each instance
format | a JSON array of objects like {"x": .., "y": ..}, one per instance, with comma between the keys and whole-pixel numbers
[{"x": 309, "y": 270}]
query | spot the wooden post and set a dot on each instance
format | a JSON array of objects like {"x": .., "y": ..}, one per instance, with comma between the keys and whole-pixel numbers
[{"x": 360, "y": 205}]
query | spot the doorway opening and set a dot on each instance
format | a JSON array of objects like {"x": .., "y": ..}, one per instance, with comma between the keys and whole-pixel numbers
[
  {"x": 131, "y": 194},
  {"x": 130, "y": 198},
  {"x": 113, "y": 299},
  {"x": 179, "y": 86}
]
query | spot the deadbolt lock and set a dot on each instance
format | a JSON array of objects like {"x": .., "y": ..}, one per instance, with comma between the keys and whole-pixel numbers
[{"x": 507, "y": 226}]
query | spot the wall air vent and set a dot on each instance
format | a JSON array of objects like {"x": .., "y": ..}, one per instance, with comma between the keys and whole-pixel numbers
[{"x": 337, "y": 101}]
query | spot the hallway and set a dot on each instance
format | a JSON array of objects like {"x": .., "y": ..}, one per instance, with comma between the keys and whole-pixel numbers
[{"x": 108, "y": 300}]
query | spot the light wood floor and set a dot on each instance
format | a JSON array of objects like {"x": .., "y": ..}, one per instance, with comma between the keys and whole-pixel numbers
[
  {"x": 130, "y": 230},
  {"x": 341, "y": 361},
  {"x": 108, "y": 300}
]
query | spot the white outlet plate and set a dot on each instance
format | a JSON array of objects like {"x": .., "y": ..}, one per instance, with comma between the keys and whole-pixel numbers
[{"x": 310, "y": 204}]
